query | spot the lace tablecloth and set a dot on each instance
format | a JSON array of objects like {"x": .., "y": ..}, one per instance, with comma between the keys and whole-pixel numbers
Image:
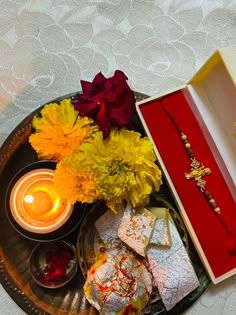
[{"x": 47, "y": 47}]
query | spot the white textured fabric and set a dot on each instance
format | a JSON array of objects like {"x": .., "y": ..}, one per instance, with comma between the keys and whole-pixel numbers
[{"x": 47, "y": 46}]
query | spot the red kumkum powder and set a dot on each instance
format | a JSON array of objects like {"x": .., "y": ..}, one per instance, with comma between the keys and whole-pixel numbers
[{"x": 57, "y": 265}]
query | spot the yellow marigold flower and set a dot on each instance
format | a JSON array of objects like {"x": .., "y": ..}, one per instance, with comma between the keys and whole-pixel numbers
[
  {"x": 122, "y": 167},
  {"x": 60, "y": 130},
  {"x": 73, "y": 184}
]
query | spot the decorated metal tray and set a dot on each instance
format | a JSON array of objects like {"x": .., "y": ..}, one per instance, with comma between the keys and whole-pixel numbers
[{"x": 15, "y": 249}]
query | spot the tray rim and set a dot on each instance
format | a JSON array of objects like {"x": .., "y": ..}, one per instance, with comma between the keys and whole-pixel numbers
[{"x": 17, "y": 137}]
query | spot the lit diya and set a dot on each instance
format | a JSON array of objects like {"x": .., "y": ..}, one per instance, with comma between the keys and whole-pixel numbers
[{"x": 35, "y": 204}]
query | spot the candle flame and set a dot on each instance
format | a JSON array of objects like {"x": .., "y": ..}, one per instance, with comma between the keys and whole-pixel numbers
[{"x": 29, "y": 199}]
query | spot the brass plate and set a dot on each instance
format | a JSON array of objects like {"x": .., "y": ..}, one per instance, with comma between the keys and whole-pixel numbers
[{"x": 15, "y": 249}]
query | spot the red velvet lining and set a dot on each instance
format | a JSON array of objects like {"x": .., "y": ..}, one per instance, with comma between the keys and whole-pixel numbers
[{"x": 210, "y": 232}]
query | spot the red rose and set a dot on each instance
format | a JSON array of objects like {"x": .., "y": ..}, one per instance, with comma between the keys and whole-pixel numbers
[{"x": 110, "y": 102}]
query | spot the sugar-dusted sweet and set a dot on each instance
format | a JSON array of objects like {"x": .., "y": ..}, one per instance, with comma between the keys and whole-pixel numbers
[
  {"x": 118, "y": 283},
  {"x": 172, "y": 270},
  {"x": 136, "y": 228}
]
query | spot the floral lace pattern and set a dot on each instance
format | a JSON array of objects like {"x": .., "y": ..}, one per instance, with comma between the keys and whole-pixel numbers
[{"x": 47, "y": 47}]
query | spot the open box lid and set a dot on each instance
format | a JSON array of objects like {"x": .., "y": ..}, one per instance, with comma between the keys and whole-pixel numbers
[{"x": 212, "y": 97}]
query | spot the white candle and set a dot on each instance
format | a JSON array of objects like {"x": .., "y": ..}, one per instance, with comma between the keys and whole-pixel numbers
[{"x": 35, "y": 204}]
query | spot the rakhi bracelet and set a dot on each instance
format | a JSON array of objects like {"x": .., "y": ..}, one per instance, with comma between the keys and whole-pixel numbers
[{"x": 197, "y": 172}]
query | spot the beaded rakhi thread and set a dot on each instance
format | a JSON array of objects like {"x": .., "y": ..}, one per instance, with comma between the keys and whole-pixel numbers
[{"x": 197, "y": 172}]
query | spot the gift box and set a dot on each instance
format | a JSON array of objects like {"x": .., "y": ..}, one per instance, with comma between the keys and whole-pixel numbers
[{"x": 204, "y": 111}]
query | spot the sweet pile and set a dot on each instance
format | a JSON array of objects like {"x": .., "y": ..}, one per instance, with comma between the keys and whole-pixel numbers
[{"x": 139, "y": 252}]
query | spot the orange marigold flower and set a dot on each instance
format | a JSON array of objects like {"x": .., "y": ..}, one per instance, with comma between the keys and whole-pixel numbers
[
  {"x": 80, "y": 185},
  {"x": 60, "y": 130}
]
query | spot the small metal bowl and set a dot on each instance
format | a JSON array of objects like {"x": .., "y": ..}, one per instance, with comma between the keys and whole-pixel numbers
[{"x": 53, "y": 264}]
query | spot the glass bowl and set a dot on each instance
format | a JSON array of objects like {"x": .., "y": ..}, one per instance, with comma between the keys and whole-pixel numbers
[{"x": 53, "y": 264}]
